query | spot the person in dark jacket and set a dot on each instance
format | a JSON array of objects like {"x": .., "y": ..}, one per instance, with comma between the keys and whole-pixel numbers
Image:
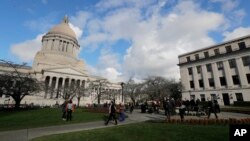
[
  {"x": 112, "y": 111},
  {"x": 211, "y": 106}
]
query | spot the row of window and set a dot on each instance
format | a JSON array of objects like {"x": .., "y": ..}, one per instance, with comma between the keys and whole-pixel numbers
[
  {"x": 223, "y": 82},
  {"x": 228, "y": 48},
  {"x": 232, "y": 64},
  {"x": 239, "y": 96}
]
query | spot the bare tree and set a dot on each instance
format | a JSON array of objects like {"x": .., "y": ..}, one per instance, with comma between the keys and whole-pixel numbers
[
  {"x": 133, "y": 90},
  {"x": 158, "y": 87},
  {"x": 100, "y": 86},
  {"x": 17, "y": 84}
]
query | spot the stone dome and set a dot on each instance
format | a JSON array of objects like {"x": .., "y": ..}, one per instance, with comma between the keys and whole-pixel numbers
[{"x": 63, "y": 28}]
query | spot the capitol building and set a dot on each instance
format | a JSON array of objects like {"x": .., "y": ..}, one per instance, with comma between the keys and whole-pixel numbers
[{"x": 58, "y": 66}]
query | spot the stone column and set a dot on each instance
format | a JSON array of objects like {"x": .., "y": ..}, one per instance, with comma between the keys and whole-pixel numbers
[
  {"x": 63, "y": 83},
  {"x": 216, "y": 75},
  {"x": 241, "y": 72},
  {"x": 56, "y": 86},
  {"x": 184, "y": 78},
  {"x": 204, "y": 77},
  {"x": 228, "y": 75},
  {"x": 195, "y": 78}
]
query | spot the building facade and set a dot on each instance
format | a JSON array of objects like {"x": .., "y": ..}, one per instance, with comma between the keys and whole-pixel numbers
[
  {"x": 219, "y": 72},
  {"x": 58, "y": 66}
]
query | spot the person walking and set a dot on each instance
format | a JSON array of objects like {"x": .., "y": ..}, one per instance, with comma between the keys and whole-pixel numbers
[
  {"x": 121, "y": 112},
  {"x": 167, "y": 107},
  {"x": 69, "y": 109},
  {"x": 131, "y": 105},
  {"x": 112, "y": 111},
  {"x": 182, "y": 109},
  {"x": 64, "y": 111},
  {"x": 211, "y": 108}
]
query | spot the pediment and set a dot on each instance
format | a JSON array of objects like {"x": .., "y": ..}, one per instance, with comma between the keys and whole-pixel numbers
[{"x": 66, "y": 70}]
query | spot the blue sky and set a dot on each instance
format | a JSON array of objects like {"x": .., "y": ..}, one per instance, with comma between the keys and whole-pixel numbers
[{"x": 124, "y": 38}]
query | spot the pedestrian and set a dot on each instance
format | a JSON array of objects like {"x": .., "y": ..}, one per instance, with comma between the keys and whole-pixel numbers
[
  {"x": 64, "y": 111},
  {"x": 182, "y": 109},
  {"x": 121, "y": 112},
  {"x": 112, "y": 111},
  {"x": 131, "y": 107},
  {"x": 69, "y": 109},
  {"x": 167, "y": 107},
  {"x": 211, "y": 108}
]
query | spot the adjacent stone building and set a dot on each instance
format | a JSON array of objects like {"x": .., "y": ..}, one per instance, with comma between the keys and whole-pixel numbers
[
  {"x": 219, "y": 72},
  {"x": 57, "y": 64}
]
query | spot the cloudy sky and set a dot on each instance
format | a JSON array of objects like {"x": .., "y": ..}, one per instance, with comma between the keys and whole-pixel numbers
[{"x": 124, "y": 38}]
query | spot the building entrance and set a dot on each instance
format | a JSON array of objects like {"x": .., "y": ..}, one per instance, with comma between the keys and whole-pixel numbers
[{"x": 226, "y": 99}]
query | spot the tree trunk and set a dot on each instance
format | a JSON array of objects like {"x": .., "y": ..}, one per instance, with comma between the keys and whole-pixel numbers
[
  {"x": 17, "y": 105},
  {"x": 78, "y": 100},
  {"x": 99, "y": 99}
]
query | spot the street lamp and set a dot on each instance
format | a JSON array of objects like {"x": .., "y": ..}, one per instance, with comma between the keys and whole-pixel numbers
[{"x": 122, "y": 84}]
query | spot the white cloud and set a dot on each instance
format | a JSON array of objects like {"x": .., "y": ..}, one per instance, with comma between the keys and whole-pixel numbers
[
  {"x": 77, "y": 30},
  {"x": 156, "y": 39},
  {"x": 81, "y": 18},
  {"x": 26, "y": 50},
  {"x": 236, "y": 33},
  {"x": 231, "y": 10}
]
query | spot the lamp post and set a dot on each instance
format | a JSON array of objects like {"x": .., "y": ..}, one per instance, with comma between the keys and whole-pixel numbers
[{"x": 122, "y": 84}]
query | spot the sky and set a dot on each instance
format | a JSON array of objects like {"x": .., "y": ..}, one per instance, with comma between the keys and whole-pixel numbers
[{"x": 122, "y": 39}]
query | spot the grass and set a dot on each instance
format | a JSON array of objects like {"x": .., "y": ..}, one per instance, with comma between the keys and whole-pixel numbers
[
  {"x": 147, "y": 132},
  {"x": 11, "y": 120}
]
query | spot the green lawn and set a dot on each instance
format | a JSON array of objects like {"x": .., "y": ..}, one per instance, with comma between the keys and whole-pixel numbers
[
  {"x": 10, "y": 120},
  {"x": 147, "y": 132}
]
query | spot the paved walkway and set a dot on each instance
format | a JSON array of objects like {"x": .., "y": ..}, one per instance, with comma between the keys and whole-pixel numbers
[{"x": 27, "y": 134}]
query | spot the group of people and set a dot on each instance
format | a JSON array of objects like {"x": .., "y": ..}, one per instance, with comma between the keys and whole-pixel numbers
[
  {"x": 113, "y": 109},
  {"x": 170, "y": 104},
  {"x": 67, "y": 109}
]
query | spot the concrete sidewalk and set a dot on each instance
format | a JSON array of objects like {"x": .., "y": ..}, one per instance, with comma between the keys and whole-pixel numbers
[{"x": 27, "y": 134}]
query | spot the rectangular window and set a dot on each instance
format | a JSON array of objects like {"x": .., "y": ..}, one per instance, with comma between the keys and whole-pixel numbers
[
  {"x": 239, "y": 97},
  {"x": 220, "y": 65},
  {"x": 232, "y": 63},
  {"x": 198, "y": 69},
  {"x": 188, "y": 59},
  {"x": 248, "y": 78},
  {"x": 201, "y": 83},
  {"x": 242, "y": 45},
  {"x": 206, "y": 55},
  {"x": 217, "y": 52},
  {"x": 211, "y": 82},
  {"x": 191, "y": 84},
  {"x": 246, "y": 60},
  {"x": 190, "y": 71},
  {"x": 236, "y": 80},
  {"x": 209, "y": 68},
  {"x": 196, "y": 56},
  {"x": 203, "y": 97},
  {"x": 223, "y": 81},
  {"x": 228, "y": 49}
]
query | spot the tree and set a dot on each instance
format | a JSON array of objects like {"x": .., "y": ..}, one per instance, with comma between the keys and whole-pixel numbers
[
  {"x": 18, "y": 84},
  {"x": 100, "y": 87},
  {"x": 157, "y": 87},
  {"x": 133, "y": 90}
]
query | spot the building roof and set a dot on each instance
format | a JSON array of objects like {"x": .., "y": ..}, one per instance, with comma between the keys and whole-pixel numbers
[
  {"x": 63, "y": 28},
  {"x": 214, "y": 46}
]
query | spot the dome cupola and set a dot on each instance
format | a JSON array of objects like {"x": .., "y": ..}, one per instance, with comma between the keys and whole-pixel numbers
[{"x": 63, "y": 28}]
